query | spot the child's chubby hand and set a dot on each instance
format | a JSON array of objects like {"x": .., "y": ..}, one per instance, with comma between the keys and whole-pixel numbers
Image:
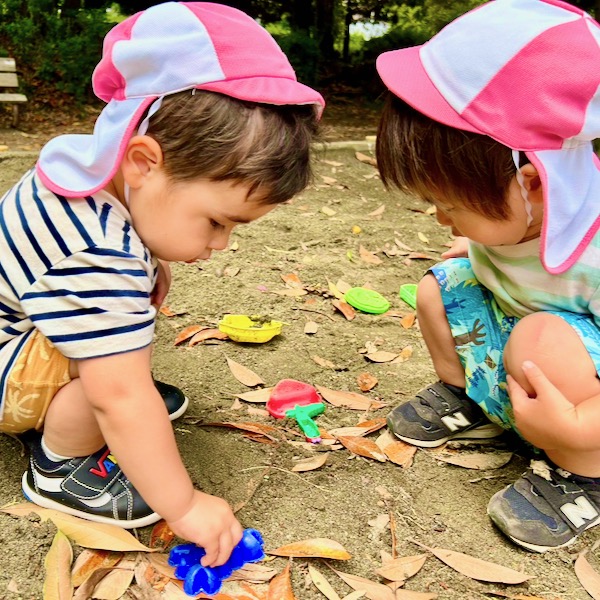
[
  {"x": 548, "y": 420},
  {"x": 211, "y": 524},
  {"x": 458, "y": 249}
]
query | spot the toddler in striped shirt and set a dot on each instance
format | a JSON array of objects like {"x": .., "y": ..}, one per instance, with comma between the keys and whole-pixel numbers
[{"x": 205, "y": 127}]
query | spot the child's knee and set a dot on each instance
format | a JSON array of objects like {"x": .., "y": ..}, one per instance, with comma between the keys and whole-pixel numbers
[
  {"x": 429, "y": 299},
  {"x": 554, "y": 346}
]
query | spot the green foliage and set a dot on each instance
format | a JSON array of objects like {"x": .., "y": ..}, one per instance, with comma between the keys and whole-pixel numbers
[
  {"x": 301, "y": 49},
  {"x": 59, "y": 48}
]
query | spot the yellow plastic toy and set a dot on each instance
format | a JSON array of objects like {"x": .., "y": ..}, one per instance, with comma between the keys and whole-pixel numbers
[{"x": 254, "y": 329}]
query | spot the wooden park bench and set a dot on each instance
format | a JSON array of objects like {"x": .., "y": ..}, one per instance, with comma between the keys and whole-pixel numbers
[{"x": 8, "y": 86}]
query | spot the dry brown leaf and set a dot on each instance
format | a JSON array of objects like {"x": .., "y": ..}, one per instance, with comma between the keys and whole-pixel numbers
[
  {"x": 350, "y": 400},
  {"x": 373, "y": 590},
  {"x": 368, "y": 257},
  {"x": 83, "y": 532},
  {"x": 381, "y": 356},
  {"x": 292, "y": 280},
  {"x": 334, "y": 290},
  {"x": 401, "y": 569},
  {"x": 328, "y": 180},
  {"x": 187, "y": 333},
  {"x": 408, "y": 320},
  {"x": 328, "y": 211},
  {"x": 58, "y": 584},
  {"x": 423, "y": 237},
  {"x": 378, "y": 211},
  {"x": 86, "y": 589},
  {"x": 310, "y": 327},
  {"x": 280, "y": 587},
  {"x": 516, "y": 596},
  {"x": 373, "y": 424},
  {"x": 322, "y": 584},
  {"x": 476, "y": 568},
  {"x": 260, "y": 428},
  {"x": 160, "y": 562},
  {"x": 588, "y": 578},
  {"x": 209, "y": 333},
  {"x": 477, "y": 460},
  {"x": 397, "y": 451},
  {"x": 314, "y": 547},
  {"x": 363, "y": 447},
  {"x": 356, "y": 595},
  {"x": 410, "y": 595},
  {"x": 253, "y": 573},
  {"x": 114, "y": 584},
  {"x": 365, "y": 158},
  {"x": 243, "y": 374},
  {"x": 344, "y": 308},
  {"x": 90, "y": 560},
  {"x": 312, "y": 463},
  {"x": 292, "y": 292},
  {"x": 355, "y": 431},
  {"x": 421, "y": 256},
  {"x": 366, "y": 382},
  {"x": 342, "y": 286},
  {"x": 161, "y": 535},
  {"x": 323, "y": 362},
  {"x": 259, "y": 396}
]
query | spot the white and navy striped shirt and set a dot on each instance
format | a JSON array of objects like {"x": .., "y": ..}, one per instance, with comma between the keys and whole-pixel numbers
[{"x": 75, "y": 270}]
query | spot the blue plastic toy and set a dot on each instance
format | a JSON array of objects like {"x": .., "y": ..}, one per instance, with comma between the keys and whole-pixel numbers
[{"x": 208, "y": 580}]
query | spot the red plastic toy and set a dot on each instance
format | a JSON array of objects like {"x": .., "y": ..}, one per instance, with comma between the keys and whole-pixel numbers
[{"x": 289, "y": 393}]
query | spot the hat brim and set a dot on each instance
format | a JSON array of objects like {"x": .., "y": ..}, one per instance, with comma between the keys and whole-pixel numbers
[
  {"x": 570, "y": 182},
  {"x": 77, "y": 165},
  {"x": 403, "y": 74},
  {"x": 267, "y": 90}
]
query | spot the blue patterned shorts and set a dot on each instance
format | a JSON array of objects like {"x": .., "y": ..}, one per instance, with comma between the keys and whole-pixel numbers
[{"x": 481, "y": 330}]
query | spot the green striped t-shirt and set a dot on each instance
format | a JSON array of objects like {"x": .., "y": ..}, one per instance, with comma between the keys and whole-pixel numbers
[{"x": 521, "y": 285}]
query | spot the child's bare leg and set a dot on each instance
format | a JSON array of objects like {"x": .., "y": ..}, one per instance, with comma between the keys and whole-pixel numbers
[
  {"x": 436, "y": 332},
  {"x": 70, "y": 427},
  {"x": 554, "y": 346}
]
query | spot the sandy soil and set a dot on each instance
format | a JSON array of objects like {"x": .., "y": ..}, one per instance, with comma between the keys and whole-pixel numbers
[{"x": 432, "y": 502}]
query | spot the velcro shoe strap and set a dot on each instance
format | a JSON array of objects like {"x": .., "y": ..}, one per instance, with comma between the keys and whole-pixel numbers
[
  {"x": 567, "y": 499},
  {"x": 93, "y": 476}
]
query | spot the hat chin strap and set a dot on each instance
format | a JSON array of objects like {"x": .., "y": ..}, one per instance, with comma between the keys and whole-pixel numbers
[
  {"x": 523, "y": 189},
  {"x": 141, "y": 130}
]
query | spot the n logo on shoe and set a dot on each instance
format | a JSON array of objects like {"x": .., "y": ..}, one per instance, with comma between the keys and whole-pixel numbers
[
  {"x": 456, "y": 421},
  {"x": 106, "y": 464},
  {"x": 580, "y": 511}
]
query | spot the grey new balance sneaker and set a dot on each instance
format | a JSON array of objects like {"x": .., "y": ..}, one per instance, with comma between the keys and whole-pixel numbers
[
  {"x": 546, "y": 508},
  {"x": 91, "y": 487},
  {"x": 437, "y": 414}
]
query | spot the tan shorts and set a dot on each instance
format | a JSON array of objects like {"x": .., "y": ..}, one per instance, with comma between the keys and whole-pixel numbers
[{"x": 40, "y": 371}]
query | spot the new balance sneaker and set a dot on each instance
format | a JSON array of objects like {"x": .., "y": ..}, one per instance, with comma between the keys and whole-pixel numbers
[
  {"x": 546, "y": 508},
  {"x": 175, "y": 400},
  {"x": 439, "y": 413},
  {"x": 91, "y": 487}
]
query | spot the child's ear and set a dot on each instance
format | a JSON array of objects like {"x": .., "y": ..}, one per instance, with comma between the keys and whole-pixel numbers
[
  {"x": 142, "y": 156},
  {"x": 532, "y": 183}
]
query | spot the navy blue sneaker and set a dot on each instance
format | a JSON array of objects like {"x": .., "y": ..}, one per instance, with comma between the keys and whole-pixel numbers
[
  {"x": 91, "y": 487},
  {"x": 175, "y": 400},
  {"x": 546, "y": 508},
  {"x": 440, "y": 412}
]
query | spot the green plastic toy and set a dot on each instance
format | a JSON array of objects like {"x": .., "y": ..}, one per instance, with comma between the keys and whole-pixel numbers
[
  {"x": 366, "y": 300},
  {"x": 408, "y": 293},
  {"x": 303, "y": 416}
]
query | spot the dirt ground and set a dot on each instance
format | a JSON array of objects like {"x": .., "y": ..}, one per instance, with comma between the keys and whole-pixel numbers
[{"x": 318, "y": 238}]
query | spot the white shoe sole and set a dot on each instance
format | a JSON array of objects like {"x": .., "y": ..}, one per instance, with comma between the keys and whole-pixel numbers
[
  {"x": 483, "y": 432},
  {"x": 44, "y": 502}
]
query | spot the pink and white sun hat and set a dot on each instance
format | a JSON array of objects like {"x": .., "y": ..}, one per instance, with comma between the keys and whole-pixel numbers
[
  {"x": 527, "y": 74},
  {"x": 165, "y": 49}
]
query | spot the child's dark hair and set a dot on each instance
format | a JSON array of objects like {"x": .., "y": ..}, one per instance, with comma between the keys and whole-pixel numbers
[
  {"x": 205, "y": 134},
  {"x": 419, "y": 155}
]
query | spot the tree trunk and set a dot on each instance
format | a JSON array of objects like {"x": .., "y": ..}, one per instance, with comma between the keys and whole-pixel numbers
[
  {"x": 347, "y": 23},
  {"x": 326, "y": 28}
]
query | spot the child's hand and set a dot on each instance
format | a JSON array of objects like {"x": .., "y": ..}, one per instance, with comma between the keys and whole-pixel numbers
[
  {"x": 211, "y": 524},
  {"x": 547, "y": 420},
  {"x": 163, "y": 283},
  {"x": 459, "y": 248}
]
